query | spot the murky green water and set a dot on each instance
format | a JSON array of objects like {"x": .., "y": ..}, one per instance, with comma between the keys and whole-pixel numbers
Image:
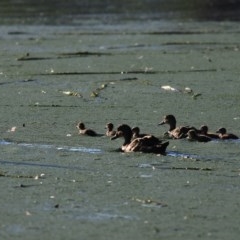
[{"x": 59, "y": 185}]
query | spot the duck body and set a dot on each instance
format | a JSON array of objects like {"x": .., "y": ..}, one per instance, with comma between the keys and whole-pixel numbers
[
  {"x": 146, "y": 144},
  {"x": 194, "y": 136},
  {"x": 224, "y": 135},
  {"x": 175, "y": 132},
  {"x": 85, "y": 131},
  {"x": 110, "y": 132}
]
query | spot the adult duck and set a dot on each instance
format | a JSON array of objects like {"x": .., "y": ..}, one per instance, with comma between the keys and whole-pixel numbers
[
  {"x": 85, "y": 131},
  {"x": 110, "y": 132},
  {"x": 224, "y": 135},
  {"x": 204, "y": 131},
  {"x": 174, "y": 131},
  {"x": 146, "y": 144},
  {"x": 194, "y": 136}
]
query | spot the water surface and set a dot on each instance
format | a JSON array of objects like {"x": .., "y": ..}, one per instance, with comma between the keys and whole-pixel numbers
[{"x": 56, "y": 184}]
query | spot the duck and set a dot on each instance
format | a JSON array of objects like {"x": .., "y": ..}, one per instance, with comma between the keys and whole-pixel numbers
[
  {"x": 110, "y": 132},
  {"x": 204, "y": 131},
  {"x": 85, "y": 131},
  {"x": 175, "y": 132},
  {"x": 192, "y": 135},
  {"x": 136, "y": 133},
  {"x": 222, "y": 133},
  {"x": 146, "y": 144}
]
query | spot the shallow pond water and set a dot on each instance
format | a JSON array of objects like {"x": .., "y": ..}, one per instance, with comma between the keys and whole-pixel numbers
[{"x": 59, "y": 185}]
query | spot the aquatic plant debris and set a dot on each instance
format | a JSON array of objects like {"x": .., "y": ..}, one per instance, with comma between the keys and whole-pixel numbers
[
  {"x": 96, "y": 92},
  {"x": 186, "y": 90},
  {"x": 169, "y": 88},
  {"x": 71, "y": 93},
  {"x": 150, "y": 202}
]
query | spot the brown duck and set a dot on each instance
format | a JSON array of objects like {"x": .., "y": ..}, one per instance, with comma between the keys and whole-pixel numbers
[
  {"x": 204, "y": 131},
  {"x": 174, "y": 131},
  {"x": 194, "y": 136},
  {"x": 85, "y": 131},
  {"x": 110, "y": 132},
  {"x": 146, "y": 144},
  {"x": 222, "y": 133}
]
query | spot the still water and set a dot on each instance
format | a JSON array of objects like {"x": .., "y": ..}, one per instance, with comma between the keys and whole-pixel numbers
[{"x": 101, "y": 62}]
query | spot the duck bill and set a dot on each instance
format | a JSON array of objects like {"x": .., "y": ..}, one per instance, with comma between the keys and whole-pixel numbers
[
  {"x": 115, "y": 136},
  {"x": 162, "y": 123}
]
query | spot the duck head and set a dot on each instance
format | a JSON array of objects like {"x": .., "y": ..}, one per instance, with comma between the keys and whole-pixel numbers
[
  {"x": 192, "y": 134},
  {"x": 204, "y": 129},
  {"x": 136, "y": 130},
  {"x": 109, "y": 126},
  {"x": 123, "y": 131},
  {"x": 80, "y": 126},
  {"x": 168, "y": 119},
  {"x": 221, "y": 131}
]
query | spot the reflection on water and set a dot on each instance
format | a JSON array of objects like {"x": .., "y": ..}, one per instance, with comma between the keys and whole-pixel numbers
[
  {"x": 47, "y": 146},
  {"x": 74, "y": 12}
]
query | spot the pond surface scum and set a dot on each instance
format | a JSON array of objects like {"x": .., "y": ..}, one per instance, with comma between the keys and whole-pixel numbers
[{"x": 125, "y": 62}]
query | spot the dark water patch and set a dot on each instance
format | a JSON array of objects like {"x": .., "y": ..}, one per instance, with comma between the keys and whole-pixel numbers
[
  {"x": 27, "y": 57},
  {"x": 75, "y": 12},
  {"x": 17, "y": 33},
  {"x": 84, "y": 54},
  {"x": 128, "y": 79},
  {"x": 30, "y": 164},
  {"x": 129, "y": 72},
  {"x": 19, "y": 81},
  {"x": 99, "y": 73},
  {"x": 27, "y": 185},
  {"x": 159, "y": 166}
]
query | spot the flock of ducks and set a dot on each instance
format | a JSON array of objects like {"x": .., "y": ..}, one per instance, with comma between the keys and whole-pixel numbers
[{"x": 134, "y": 141}]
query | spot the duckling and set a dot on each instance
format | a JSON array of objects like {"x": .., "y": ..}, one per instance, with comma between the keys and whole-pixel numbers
[
  {"x": 194, "y": 136},
  {"x": 85, "y": 131},
  {"x": 224, "y": 135},
  {"x": 146, "y": 144},
  {"x": 175, "y": 132},
  {"x": 136, "y": 133},
  {"x": 110, "y": 132},
  {"x": 204, "y": 131}
]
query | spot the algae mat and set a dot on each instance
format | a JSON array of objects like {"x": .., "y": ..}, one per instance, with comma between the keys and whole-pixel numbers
[{"x": 59, "y": 185}]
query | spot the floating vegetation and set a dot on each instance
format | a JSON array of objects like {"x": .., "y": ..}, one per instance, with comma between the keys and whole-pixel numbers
[
  {"x": 158, "y": 166},
  {"x": 169, "y": 88},
  {"x": 2, "y": 174},
  {"x": 99, "y": 73},
  {"x": 186, "y": 90},
  {"x": 44, "y": 105},
  {"x": 84, "y": 54},
  {"x": 27, "y": 57},
  {"x": 71, "y": 93},
  {"x": 96, "y": 92},
  {"x": 128, "y": 79},
  {"x": 150, "y": 202}
]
